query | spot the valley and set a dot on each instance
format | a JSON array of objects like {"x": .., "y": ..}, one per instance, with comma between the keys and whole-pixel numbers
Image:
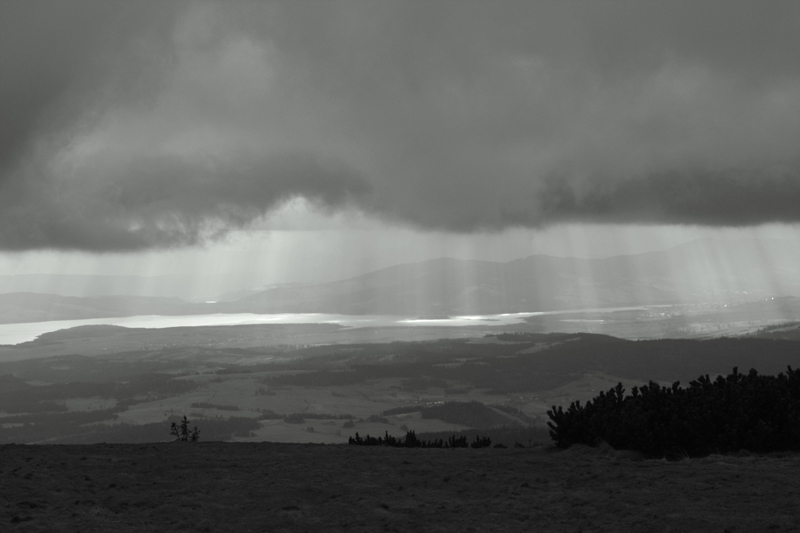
[
  {"x": 441, "y": 346},
  {"x": 320, "y": 384}
]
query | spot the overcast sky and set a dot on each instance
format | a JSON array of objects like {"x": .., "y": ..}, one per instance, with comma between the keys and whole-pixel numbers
[{"x": 373, "y": 131}]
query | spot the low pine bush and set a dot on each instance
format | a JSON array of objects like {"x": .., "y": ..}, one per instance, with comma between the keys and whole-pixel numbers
[
  {"x": 749, "y": 412},
  {"x": 412, "y": 441}
]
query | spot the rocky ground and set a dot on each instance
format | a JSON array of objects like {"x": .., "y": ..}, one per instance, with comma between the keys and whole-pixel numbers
[{"x": 289, "y": 487}]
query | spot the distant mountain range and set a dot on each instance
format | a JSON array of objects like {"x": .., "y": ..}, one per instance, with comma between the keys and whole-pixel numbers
[
  {"x": 700, "y": 271},
  {"x": 33, "y": 307},
  {"x": 91, "y": 285},
  {"x": 695, "y": 272}
]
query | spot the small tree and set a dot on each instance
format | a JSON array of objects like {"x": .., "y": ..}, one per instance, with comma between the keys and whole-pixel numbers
[{"x": 182, "y": 433}]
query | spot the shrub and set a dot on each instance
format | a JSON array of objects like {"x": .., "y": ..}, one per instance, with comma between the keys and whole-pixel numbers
[
  {"x": 412, "y": 441},
  {"x": 182, "y": 433},
  {"x": 737, "y": 412},
  {"x": 508, "y": 436},
  {"x": 481, "y": 442}
]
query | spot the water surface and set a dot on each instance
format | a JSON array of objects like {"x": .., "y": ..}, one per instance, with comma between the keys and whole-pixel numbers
[{"x": 25, "y": 332}]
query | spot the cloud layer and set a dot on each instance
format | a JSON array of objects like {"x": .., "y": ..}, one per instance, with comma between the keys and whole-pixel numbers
[{"x": 140, "y": 125}]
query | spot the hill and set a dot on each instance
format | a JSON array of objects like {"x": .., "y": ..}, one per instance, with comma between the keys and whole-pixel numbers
[
  {"x": 34, "y": 307},
  {"x": 236, "y": 386},
  {"x": 699, "y": 271}
]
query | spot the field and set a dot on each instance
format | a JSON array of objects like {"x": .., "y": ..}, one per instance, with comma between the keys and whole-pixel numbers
[
  {"x": 264, "y": 487},
  {"x": 109, "y": 384}
]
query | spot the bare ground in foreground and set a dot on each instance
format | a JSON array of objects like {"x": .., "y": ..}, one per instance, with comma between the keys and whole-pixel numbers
[{"x": 290, "y": 487}]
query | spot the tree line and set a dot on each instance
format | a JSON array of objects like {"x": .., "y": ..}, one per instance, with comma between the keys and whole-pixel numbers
[{"x": 751, "y": 412}]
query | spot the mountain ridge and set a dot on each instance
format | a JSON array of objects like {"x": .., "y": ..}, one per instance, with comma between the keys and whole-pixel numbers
[{"x": 694, "y": 272}]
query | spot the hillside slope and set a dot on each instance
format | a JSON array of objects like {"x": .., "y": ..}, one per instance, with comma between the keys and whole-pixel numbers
[{"x": 273, "y": 487}]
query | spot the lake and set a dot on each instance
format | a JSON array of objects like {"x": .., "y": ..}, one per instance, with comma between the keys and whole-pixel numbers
[
  {"x": 25, "y": 332},
  {"x": 17, "y": 333}
]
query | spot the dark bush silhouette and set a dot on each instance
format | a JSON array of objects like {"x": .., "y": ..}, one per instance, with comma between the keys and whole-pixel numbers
[
  {"x": 182, "y": 433},
  {"x": 388, "y": 440},
  {"x": 457, "y": 442},
  {"x": 409, "y": 441},
  {"x": 738, "y": 412},
  {"x": 221, "y": 429},
  {"x": 481, "y": 442},
  {"x": 508, "y": 435},
  {"x": 412, "y": 441}
]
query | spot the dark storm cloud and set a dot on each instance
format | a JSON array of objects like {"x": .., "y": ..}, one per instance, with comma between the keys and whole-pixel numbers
[
  {"x": 61, "y": 59},
  {"x": 135, "y": 125},
  {"x": 737, "y": 197},
  {"x": 142, "y": 201},
  {"x": 494, "y": 115},
  {"x": 65, "y": 65}
]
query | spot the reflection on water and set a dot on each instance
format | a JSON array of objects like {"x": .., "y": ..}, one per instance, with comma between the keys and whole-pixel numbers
[{"x": 17, "y": 333}]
